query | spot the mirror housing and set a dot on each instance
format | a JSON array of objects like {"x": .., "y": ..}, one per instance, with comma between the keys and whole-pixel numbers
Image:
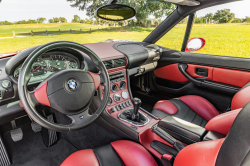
[
  {"x": 115, "y": 12},
  {"x": 195, "y": 44}
]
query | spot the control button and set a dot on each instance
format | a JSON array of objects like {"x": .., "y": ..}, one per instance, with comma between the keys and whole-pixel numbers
[
  {"x": 117, "y": 108},
  {"x": 112, "y": 109},
  {"x": 124, "y": 106},
  {"x": 117, "y": 97},
  {"x": 125, "y": 94},
  {"x": 126, "y": 103},
  {"x": 110, "y": 101},
  {"x": 122, "y": 84},
  {"x": 114, "y": 87},
  {"x": 6, "y": 84}
]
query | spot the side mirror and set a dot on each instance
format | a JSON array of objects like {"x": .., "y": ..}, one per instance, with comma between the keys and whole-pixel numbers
[
  {"x": 115, "y": 12},
  {"x": 195, "y": 44}
]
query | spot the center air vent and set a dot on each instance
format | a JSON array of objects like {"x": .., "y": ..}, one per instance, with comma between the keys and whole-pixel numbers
[{"x": 115, "y": 63}]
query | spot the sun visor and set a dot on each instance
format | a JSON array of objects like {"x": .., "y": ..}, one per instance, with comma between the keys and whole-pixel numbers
[{"x": 183, "y": 2}]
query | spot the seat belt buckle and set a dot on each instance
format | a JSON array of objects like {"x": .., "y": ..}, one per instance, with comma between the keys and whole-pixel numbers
[{"x": 167, "y": 160}]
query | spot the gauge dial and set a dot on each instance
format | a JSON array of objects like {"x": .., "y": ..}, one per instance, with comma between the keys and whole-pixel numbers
[
  {"x": 72, "y": 64},
  {"x": 114, "y": 87},
  {"x": 117, "y": 97},
  {"x": 16, "y": 73},
  {"x": 57, "y": 62},
  {"x": 39, "y": 67},
  {"x": 122, "y": 85}
]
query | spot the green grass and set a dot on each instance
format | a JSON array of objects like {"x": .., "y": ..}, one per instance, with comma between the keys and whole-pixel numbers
[{"x": 220, "y": 40}]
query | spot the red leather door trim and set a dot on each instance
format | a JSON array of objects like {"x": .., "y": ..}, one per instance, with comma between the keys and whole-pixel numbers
[
  {"x": 191, "y": 71},
  {"x": 199, "y": 154},
  {"x": 232, "y": 77},
  {"x": 223, "y": 122},
  {"x": 170, "y": 72}
]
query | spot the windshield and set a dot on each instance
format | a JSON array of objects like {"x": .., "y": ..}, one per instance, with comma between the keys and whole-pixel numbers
[{"x": 28, "y": 23}]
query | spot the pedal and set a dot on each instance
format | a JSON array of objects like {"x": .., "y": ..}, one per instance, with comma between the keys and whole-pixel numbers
[
  {"x": 52, "y": 134},
  {"x": 36, "y": 127},
  {"x": 17, "y": 133},
  {"x": 4, "y": 158}
]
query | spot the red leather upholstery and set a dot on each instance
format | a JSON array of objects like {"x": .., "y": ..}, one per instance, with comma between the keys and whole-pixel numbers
[
  {"x": 170, "y": 72},
  {"x": 199, "y": 154},
  {"x": 201, "y": 106},
  {"x": 81, "y": 158},
  {"x": 133, "y": 154},
  {"x": 166, "y": 106},
  {"x": 130, "y": 153},
  {"x": 96, "y": 78},
  {"x": 241, "y": 98},
  {"x": 41, "y": 94},
  {"x": 222, "y": 123}
]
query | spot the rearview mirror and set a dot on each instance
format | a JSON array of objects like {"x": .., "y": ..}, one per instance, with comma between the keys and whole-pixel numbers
[
  {"x": 195, "y": 44},
  {"x": 115, "y": 12}
]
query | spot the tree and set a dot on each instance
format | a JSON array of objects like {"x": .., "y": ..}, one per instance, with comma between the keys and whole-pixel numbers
[
  {"x": 62, "y": 19},
  {"x": 247, "y": 19},
  {"x": 56, "y": 19},
  {"x": 144, "y": 8},
  {"x": 51, "y": 20},
  {"x": 209, "y": 17},
  {"x": 76, "y": 18},
  {"x": 41, "y": 19},
  {"x": 224, "y": 16}
]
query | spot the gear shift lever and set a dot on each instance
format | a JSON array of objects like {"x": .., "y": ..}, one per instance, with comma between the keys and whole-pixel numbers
[{"x": 137, "y": 103}]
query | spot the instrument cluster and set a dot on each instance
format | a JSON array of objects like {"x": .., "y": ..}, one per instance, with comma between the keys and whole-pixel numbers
[{"x": 50, "y": 63}]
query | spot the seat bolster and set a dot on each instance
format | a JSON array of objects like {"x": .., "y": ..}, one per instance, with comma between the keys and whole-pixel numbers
[
  {"x": 201, "y": 106},
  {"x": 241, "y": 98},
  {"x": 223, "y": 122},
  {"x": 203, "y": 153},
  {"x": 133, "y": 154},
  {"x": 85, "y": 157},
  {"x": 166, "y": 106}
]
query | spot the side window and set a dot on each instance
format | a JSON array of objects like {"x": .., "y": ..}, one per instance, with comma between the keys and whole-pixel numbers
[
  {"x": 174, "y": 38},
  {"x": 224, "y": 33}
]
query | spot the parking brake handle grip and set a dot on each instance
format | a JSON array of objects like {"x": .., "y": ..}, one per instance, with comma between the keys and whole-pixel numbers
[{"x": 167, "y": 137}]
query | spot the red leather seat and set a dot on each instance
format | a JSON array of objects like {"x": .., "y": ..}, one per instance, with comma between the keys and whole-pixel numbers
[
  {"x": 196, "y": 109},
  {"x": 118, "y": 153},
  {"x": 231, "y": 151}
]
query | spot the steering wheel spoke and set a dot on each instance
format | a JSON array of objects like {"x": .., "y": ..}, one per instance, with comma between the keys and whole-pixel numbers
[{"x": 80, "y": 119}]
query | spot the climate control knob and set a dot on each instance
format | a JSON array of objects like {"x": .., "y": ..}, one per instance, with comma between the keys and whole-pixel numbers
[
  {"x": 117, "y": 97},
  {"x": 122, "y": 85},
  {"x": 114, "y": 87}
]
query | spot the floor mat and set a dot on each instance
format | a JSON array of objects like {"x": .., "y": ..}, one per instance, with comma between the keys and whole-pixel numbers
[{"x": 31, "y": 151}]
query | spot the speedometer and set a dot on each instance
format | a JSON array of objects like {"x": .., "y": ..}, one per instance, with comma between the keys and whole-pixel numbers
[
  {"x": 39, "y": 67},
  {"x": 57, "y": 62}
]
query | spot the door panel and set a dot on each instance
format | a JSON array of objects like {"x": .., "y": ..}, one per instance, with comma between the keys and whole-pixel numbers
[{"x": 216, "y": 78}]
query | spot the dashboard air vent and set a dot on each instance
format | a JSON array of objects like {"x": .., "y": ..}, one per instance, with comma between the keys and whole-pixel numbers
[
  {"x": 115, "y": 63},
  {"x": 109, "y": 64},
  {"x": 120, "y": 62}
]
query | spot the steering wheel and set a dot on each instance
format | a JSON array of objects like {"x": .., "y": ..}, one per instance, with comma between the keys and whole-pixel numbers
[{"x": 68, "y": 91}]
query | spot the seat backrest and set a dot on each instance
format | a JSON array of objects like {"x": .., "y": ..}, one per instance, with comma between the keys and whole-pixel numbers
[
  {"x": 235, "y": 150},
  {"x": 241, "y": 98}
]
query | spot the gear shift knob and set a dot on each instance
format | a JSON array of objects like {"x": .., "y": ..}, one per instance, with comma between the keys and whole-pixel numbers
[{"x": 137, "y": 103}]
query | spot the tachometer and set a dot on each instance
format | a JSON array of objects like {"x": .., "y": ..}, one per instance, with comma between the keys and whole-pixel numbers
[
  {"x": 73, "y": 64},
  {"x": 39, "y": 67},
  {"x": 57, "y": 62}
]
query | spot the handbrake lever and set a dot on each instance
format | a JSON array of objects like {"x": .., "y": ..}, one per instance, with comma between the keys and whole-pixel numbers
[{"x": 167, "y": 137}]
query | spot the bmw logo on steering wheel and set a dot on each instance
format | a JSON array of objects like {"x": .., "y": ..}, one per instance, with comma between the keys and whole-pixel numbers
[{"x": 72, "y": 84}]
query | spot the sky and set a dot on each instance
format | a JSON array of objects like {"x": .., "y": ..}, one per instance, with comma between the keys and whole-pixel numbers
[{"x": 15, "y": 10}]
